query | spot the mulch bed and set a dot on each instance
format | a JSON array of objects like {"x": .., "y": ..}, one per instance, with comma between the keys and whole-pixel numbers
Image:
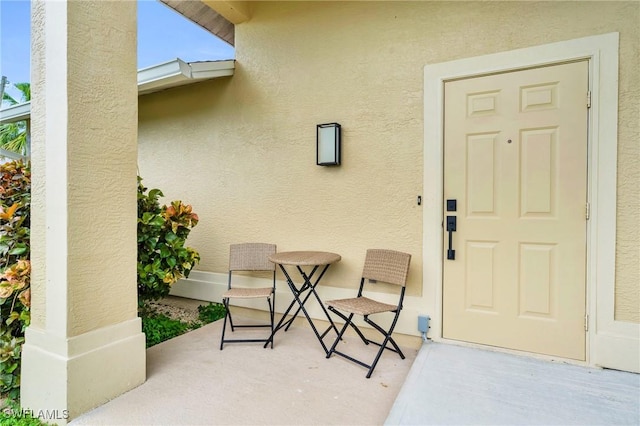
[{"x": 175, "y": 312}]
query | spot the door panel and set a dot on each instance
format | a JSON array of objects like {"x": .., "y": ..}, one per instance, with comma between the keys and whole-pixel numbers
[{"x": 516, "y": 160}]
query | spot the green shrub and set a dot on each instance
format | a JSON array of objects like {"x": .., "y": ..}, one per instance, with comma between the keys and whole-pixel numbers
[
  {"x": 15, "y": 270},
  {"x": 211, "y": 312},
  {"x": 162, "y": 233},
  {"x": 158, "y": 328}
]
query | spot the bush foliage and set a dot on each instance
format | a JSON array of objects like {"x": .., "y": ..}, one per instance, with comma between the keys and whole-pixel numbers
[
  {"x": 211, "y": 312},
  {"x": 162, "y": 233},
  {"x": 12, "y": 415},
  {"x": 15, "y": 270},
  {"x": 158, "y": 328}
]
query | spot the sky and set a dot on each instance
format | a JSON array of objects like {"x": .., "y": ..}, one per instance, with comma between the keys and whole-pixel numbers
[{"x": 163, "y": 35}]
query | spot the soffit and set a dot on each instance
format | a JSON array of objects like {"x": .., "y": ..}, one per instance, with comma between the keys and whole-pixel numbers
[{"x": 205, "y": 16}]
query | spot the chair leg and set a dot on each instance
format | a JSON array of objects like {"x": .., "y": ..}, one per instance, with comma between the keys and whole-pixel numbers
[
  {"x": 355, "y": 327},
  {"x": 233, "y": 327},
  {"x": 344, "y": 328},
  {"x": 377, "y": 358},
  {"x": 271, "y": 314},
  {"x": 398, "y": 351},
  {"x": 387, "y": 339},
  {"x": 225, "y": 302},
  {"x": 386, "y": 333},
  {"x": 229, "y": 317},
  {"x": 383, "y": 346}
]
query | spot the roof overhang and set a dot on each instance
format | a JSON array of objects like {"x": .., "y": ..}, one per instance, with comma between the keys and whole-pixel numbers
[
  {"x": 178, "y": 73},
  {"x": 6, "y": 156},
  {"x": 18, "y": 112},
  {"x": 152, "y": 79}
]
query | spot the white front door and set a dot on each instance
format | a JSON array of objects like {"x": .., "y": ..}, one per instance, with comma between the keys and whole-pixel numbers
[{"x": 515, "y": 161}]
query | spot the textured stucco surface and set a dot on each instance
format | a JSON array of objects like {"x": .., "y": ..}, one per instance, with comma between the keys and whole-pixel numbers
[
  {"x": 627, "y": 300},
  {"x": 38, "y": 205},
  {"x": 100, "y": 172},
  {"x": 242, "y": 150},
  {"x": 102, "y": 148}
]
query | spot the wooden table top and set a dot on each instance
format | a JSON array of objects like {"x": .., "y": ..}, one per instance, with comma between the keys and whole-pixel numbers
[{"x": 304, "y": 258}]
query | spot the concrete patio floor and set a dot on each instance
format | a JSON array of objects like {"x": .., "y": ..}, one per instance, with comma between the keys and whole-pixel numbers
[
  {"x": 456, "y": 385},
  {"x": 191, "y": 382}
]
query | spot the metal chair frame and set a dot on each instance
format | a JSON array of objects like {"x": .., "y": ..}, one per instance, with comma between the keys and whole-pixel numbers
[
  {"x": 373, "y": 274},
  {"x": 249, "y": 265}
]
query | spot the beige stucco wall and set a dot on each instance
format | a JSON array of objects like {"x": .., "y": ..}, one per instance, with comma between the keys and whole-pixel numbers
[{"x": 242, "y": 150}]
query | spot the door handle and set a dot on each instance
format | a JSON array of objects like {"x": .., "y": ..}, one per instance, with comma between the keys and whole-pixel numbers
[{"x": 451, "y": 228}]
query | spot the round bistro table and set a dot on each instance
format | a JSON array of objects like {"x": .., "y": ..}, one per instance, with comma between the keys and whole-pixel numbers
[{"x": 318, "y": 261}]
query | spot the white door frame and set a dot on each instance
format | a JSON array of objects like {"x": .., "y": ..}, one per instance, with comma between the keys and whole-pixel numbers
[{"x": 610, "y": 343}]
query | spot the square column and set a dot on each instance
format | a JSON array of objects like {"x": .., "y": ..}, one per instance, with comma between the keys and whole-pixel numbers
[{"x": 84, "y": 345}]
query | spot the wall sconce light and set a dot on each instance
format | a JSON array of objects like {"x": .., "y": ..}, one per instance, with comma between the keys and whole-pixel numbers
[{"x": 328, "y": 144}]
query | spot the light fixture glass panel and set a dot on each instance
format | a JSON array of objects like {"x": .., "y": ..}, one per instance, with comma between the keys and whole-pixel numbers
[{"x": 328, "y": 144}]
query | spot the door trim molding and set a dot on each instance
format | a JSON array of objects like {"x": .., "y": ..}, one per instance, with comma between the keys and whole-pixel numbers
[{"x": 605, "y": 334}]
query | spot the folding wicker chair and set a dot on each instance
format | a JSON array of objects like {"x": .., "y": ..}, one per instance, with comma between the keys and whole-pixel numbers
[
  {"x": 250, "y": 257},
  {"x": 379, "y": 265}
]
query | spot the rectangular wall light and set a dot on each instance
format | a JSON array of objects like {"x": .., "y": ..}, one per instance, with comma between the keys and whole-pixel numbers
[{"x": 328, "y": 144}]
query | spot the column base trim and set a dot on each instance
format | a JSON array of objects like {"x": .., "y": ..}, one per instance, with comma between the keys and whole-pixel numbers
[{"x": 62, "y": 378}]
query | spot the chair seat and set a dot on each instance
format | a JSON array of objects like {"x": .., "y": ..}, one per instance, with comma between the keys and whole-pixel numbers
[
  {"x": 248, "y": 293},
  {"x": 361, "y": 306}
]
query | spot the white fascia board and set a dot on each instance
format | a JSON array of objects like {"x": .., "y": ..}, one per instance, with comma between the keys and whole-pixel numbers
[
  {"x": 211, "y": 69},
  {"x": 152, "y": 79},
  {"x": 6, "y": 156},
  {"x": 177, "y": 73},
  {"x": 18, "y": 112}
]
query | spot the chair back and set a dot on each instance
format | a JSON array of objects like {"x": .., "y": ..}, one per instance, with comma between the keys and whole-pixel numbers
[
  {"x": 251, "y": 257},
  {"x": 388, "y": 266}
]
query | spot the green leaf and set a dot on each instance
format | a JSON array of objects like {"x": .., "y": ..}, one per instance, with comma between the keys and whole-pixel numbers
[
  {"x": 25, "y": 316},
  {"x": 16, "y": 251},
  {"x": 164, "y": 251},
  {"x": 157, "y": 221},
  {"x": 155, "y": 193},
  {"x": 12, "y": 317},
  {"x": 146, "y": 217},
  {"x": 6, "y": 380},
  {"x": 11, "y": 367}
]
